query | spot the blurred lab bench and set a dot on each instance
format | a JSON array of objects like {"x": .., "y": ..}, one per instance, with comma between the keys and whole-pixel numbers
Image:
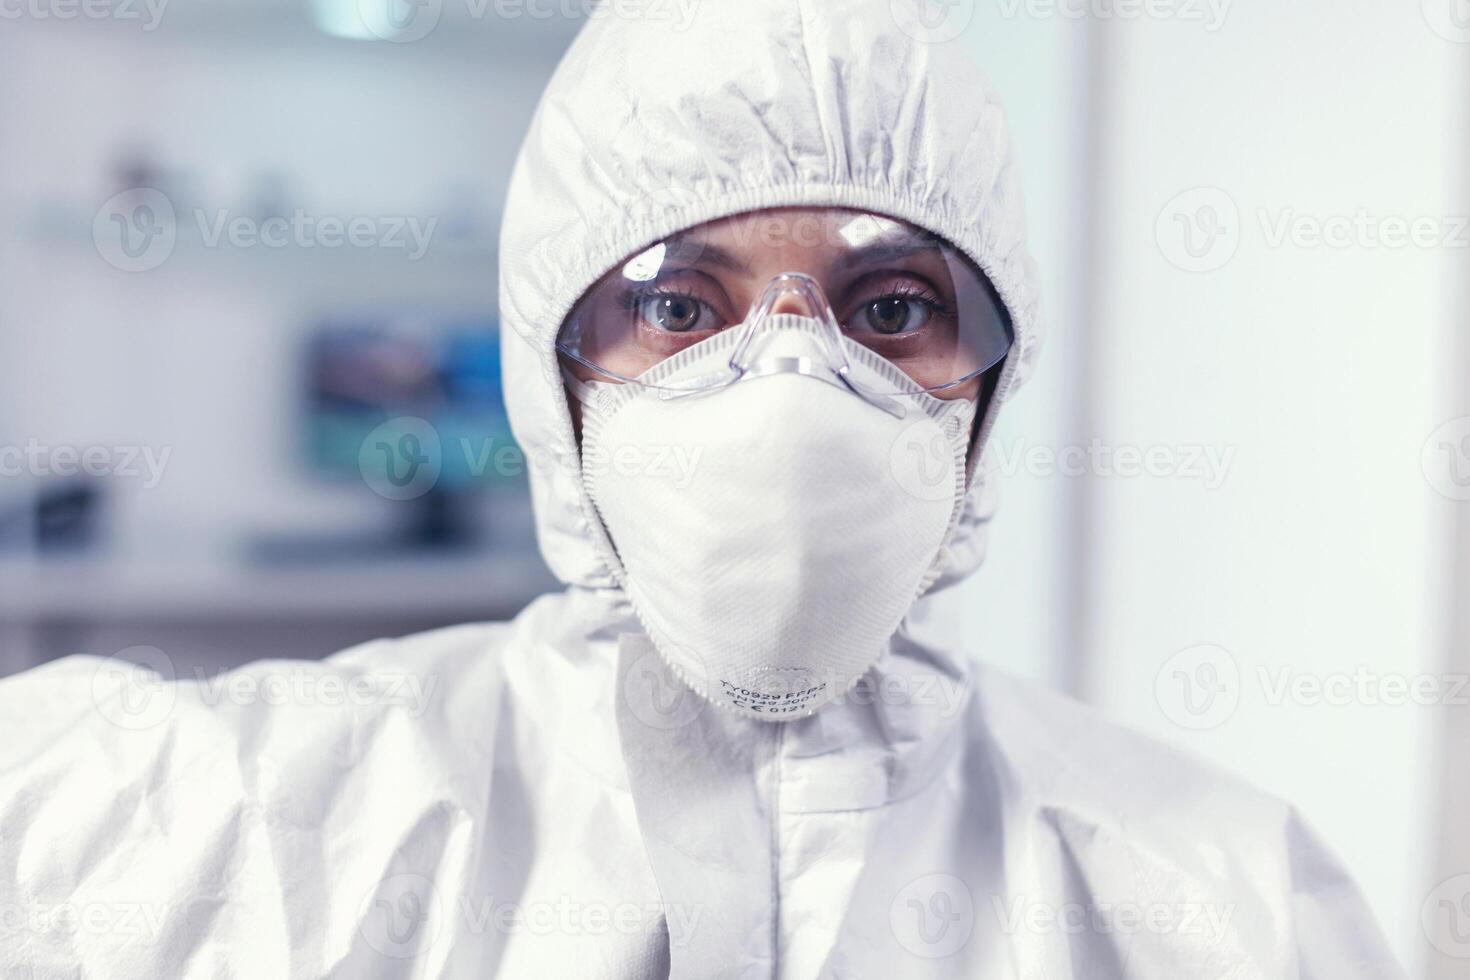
[{"x": 212, "y": 616}]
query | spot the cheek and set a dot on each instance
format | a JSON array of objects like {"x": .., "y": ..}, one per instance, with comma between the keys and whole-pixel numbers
[{"x": 970, "y": 389}]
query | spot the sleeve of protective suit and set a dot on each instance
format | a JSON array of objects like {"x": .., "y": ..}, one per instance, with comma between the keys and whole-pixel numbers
[
  {"x": 83, "y": 801},
  {"x": 1337, "y": 936},
  {"x": 242, "y": 823}
]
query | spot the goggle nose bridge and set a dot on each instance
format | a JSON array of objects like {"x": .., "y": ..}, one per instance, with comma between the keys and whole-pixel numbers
[{"x": 802, "y": 287}]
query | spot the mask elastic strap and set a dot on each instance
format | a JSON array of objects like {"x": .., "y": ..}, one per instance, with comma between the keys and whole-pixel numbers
[{"x": 584, "y": 391}]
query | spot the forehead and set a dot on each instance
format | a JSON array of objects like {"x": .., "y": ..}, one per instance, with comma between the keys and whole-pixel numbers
[
  {"x": 836, "y": 229},
  {"x": 806, "y": 239}
]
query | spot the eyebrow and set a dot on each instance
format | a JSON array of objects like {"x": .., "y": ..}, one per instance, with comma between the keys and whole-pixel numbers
[
  {"x": 910, "y": 244},
  {"x": 690, "y": 251}
]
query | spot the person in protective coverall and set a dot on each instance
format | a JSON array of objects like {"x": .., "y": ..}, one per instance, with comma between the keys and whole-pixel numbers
[{"x": 764, "y": 286}]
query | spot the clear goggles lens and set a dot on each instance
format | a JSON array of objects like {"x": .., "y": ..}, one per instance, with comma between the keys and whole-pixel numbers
[{"x": 894, "y": 289}]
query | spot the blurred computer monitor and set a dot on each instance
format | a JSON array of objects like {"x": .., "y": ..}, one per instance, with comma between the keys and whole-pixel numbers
[{"x": 374, "y": 380}]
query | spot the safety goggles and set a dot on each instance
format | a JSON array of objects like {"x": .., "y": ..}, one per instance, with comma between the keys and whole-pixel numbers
[{"x": 868, "y": 283}]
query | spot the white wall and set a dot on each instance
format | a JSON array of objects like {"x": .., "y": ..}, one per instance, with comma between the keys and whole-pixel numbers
[
  {"x": 1289, "y": 389},
  {"x": 1015, "y": 613},
  {"x": 1321, "y": 552},
  {"x": 1446, "y": 960}
]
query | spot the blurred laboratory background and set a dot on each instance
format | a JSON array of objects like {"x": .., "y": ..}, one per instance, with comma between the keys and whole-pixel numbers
[{"x": 245, "y": 245}]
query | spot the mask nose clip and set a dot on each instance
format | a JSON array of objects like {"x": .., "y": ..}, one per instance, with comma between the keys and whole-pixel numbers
[{"x": 800, "y": 294}]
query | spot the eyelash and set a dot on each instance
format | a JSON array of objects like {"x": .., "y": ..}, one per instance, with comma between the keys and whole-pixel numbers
[
  {"x": 633, "y": 300},
  {"x": 919, "y": 294}
]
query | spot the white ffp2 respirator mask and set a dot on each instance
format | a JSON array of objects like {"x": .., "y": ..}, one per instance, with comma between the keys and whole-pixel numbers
[{"x": 773, "y": 532}]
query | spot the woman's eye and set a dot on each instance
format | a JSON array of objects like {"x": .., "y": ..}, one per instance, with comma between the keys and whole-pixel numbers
[
  {"x": 895, "y": 314},
  {"x": 676, "y": 314}
]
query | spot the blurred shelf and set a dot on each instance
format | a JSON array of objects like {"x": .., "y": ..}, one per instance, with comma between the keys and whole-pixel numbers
[
  {"x": 90, "y": 589},
  {"x": 73, "y": 231},
  {"x": 484, "y": 31}
]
